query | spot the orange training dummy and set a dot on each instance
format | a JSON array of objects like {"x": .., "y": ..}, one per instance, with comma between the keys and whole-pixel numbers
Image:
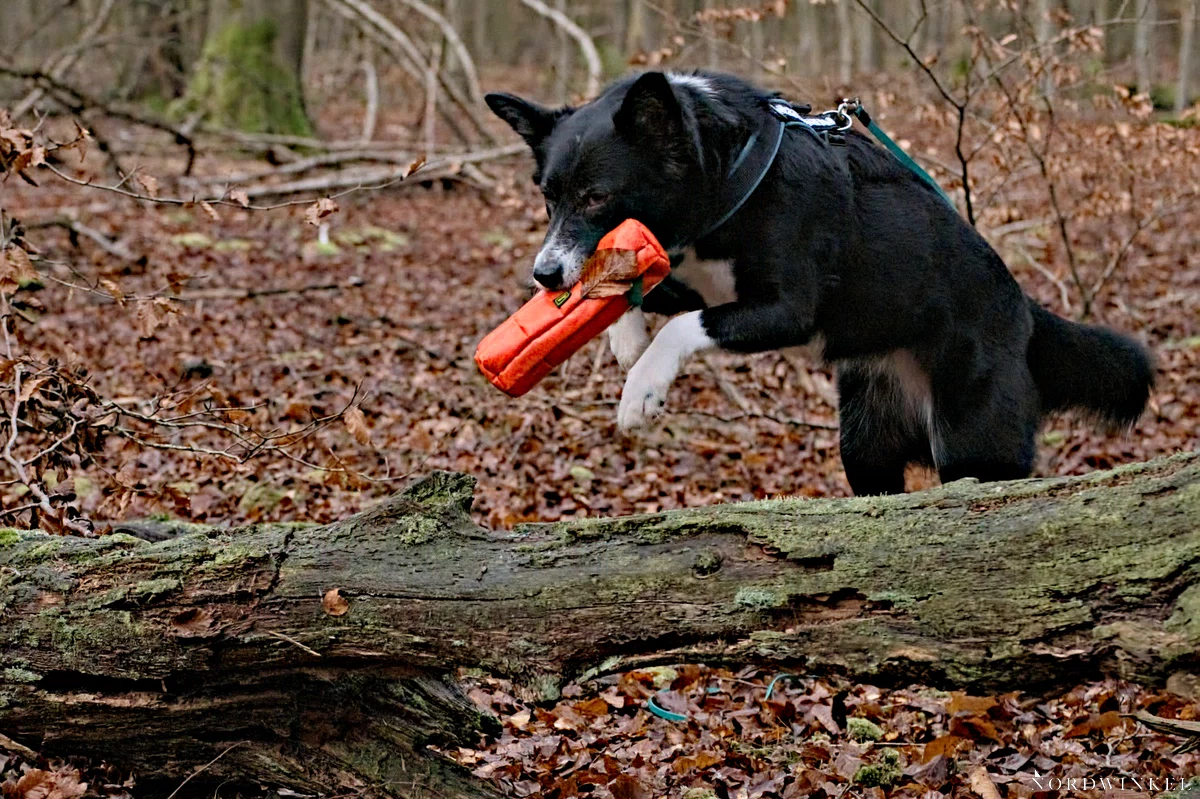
[{"x": 554, "y": 324}]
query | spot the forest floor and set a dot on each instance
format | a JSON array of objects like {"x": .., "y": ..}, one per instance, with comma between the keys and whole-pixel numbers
[{"x": 419, "y": 275}]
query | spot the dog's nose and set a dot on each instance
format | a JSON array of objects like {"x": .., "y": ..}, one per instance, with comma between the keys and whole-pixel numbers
[{"x": 549, "y": 276}]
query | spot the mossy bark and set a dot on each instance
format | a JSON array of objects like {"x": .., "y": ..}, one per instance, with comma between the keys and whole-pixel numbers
[
  {"x": 248, "y": 76},
  {"x": 161, "y": 656}
]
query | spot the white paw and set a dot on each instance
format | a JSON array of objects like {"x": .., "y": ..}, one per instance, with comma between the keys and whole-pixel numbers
[
  {"x": 646, "y": 388},
  {"x": 628, "y": 339},
  {"x": 644, "y": 395}
]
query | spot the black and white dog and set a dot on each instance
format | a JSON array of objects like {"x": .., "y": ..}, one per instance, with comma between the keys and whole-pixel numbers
[{"x": 941, "y": 357}]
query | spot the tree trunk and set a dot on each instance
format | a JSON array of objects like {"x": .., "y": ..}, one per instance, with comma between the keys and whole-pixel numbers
[
  {"x": 162, "y": 656},
  {"x": 249, "y": 74},
  {"x": 563, "y": 46},
  {"x": 1143, "y": 46},
  {"x": 1187, "y": 36},
  {"x": 845, "y": 32},
  {"x": 635, "y": 28},
  {"x": 865, "y": 29},
  {"x": 1045, "y": 31}
]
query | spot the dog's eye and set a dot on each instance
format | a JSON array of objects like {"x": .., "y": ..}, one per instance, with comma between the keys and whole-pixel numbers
[{"x": 595, "y": 199}]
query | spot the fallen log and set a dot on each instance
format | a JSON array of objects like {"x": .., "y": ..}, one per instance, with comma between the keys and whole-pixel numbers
[{"x": 320, "y": 658}]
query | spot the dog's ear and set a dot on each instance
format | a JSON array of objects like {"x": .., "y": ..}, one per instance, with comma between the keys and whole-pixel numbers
[
  {"x": 650, "y": 110},
  {"x": 532, "y": 121}
]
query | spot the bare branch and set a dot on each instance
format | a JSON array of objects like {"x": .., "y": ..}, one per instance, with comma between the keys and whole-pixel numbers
[
  {"x": 61, "y": 63},
  {"x": 77, "y": 101},
  {"x": 456, "y": 44},
  {"x": 586, "y": 45},
  {"x": 353, "y": 180},
  {"x": 402, "y": 47}
]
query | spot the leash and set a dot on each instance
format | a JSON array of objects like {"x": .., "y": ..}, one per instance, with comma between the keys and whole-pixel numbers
[
  {"x": 757, "y": 155},
  {"x": 847, "y": 107}
]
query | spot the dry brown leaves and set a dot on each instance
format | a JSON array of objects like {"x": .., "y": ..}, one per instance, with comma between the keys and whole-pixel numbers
[
  {"x": 334, "y": 604},
  {"x": 34, "y": 778},
  {"x": 440, "y": 268},
  {"x": 737, "y": 743},
  {"x": 37, "y": 783}
]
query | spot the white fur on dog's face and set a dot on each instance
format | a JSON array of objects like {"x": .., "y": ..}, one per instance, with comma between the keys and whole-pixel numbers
[{"x": 557, "y": 250}]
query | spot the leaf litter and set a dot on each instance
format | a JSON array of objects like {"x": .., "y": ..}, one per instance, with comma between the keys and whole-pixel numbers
[{"x": 600, "y": 740}]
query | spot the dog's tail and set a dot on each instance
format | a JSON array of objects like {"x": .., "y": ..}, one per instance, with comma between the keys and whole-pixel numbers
[{"x": 1104, "y": 374}]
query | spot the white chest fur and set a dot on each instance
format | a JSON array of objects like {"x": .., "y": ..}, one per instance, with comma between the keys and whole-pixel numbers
[{"x": 712, "y": 280}]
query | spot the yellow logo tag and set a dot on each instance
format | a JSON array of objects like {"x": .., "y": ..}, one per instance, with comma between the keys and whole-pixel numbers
[{"x": 561, "y": 299}]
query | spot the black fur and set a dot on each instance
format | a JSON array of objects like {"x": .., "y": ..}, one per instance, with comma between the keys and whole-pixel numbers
[{"x": 942, "y": 358}]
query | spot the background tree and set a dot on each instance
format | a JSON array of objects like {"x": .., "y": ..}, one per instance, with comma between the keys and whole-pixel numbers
[{"x": 249, "y": 73}]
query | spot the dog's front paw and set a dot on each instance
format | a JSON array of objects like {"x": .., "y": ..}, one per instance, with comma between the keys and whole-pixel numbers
[
  {"x": 643, "y": 398},
  {"x": 627, "y": 338}
]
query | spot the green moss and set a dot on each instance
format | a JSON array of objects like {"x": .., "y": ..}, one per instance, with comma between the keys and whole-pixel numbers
[
  {"x": 546, "y": 687},
  {"x": 700, "y": 793},
  {"x": 863, "y": 730},
  {"x": 382, "y": 239},
  {"x": 882, "y": 774},
  {"x": 239, "y": 83},
  {"x": 152, "y": 589},
  {"x": 20, "y": 675},
  {"x": 121, "y": 540},
  {"x": 442, "y": 490},
  {"x": 414, "y": 530},
  {"x": 261, "y": 497},
  {"x": 47, "y": 550},
  {"x": 759, "y": 598},
  {"x": 9, "y": 536},
  {"x": 232, "y": 245},
  {"x": 192, "y": 241},
  {"x": 893, "y": 598},
  {"x": 708, "y": 561},
  {"x": 1186, "y": 617},
  {"x": 1188, "y": 790}
]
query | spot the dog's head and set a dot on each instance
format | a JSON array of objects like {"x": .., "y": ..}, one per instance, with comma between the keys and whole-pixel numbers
[{"x": 624, "y": 155}]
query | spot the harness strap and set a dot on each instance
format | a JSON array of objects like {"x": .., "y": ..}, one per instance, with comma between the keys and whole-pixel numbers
[
  {"x": 759, "y": 165},
  {"x": 757, "y": 155}
]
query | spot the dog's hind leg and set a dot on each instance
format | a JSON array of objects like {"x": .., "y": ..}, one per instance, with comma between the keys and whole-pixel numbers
[
  {"x": 986, "y": 428},
  {"x": 879, "y": 431}
]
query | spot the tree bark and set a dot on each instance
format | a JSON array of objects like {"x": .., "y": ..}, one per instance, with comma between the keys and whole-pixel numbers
[
  {"x": 1143, "y": 46},
  {"x": 249, "y": 75},
  {"x": 161, "y": 656},
  {"x": 1187, "y": 35},
  {"x": 845, "y": 32}
]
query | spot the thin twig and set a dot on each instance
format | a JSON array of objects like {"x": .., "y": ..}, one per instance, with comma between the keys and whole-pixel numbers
[
  {"x": 204, "y": 768},
  {"x": 783, "y": 420},
  {"x": 1064, "y": 293},
  {"x": 59, "y": 65},
  {"x": 294, "y": 642},
  {"x": 78, "y": 101}
]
